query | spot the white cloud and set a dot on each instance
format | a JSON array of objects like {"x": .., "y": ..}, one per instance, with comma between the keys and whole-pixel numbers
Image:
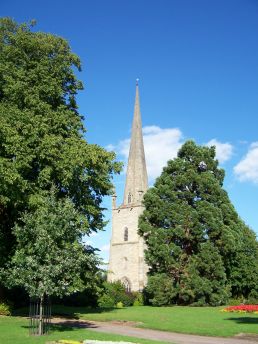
[
  {"x": 110, "y": 147},
  {"x": 224, "y": 151},
  {"x": 247, "y": 168},
  {"x": 104, "y": 248},
  {"x": 160, "y": 145}
]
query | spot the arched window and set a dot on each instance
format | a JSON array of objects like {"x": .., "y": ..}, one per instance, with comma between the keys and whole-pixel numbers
[
  {"x": 129, "y": 198},
  {"x": 125, "y": 234},
  {"x": 125, "y": 281}
]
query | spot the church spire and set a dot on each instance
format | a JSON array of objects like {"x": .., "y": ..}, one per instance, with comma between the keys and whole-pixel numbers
[{"x": 136, "y": 176}]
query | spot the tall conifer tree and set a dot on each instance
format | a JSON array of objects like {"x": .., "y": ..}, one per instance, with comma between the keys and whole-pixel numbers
[{"x": 192, "y": 231}]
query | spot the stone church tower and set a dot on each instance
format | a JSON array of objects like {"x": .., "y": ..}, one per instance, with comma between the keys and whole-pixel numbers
[{"x": 126, "y": 262}]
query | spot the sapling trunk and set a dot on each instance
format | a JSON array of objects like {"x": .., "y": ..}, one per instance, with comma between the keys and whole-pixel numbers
[{"x": 41, "y": 316}]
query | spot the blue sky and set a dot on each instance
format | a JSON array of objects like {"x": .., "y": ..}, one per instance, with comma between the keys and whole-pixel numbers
[{"x": 197, "y": 61}]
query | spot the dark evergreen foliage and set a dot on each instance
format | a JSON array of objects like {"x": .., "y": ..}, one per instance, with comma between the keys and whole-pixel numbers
[{"x": 194, "y": 235}]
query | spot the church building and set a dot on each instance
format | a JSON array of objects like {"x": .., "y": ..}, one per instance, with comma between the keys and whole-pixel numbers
[{"x": 126, "y": 262}]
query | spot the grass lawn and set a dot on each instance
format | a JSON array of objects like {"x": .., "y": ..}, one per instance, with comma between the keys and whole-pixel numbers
[
  {"x": 207, "y": 321},
  {"x": 15, "y": 330}
]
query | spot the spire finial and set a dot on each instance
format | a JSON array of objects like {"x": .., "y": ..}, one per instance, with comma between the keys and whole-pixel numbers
[{"x": 137, "y": 81}]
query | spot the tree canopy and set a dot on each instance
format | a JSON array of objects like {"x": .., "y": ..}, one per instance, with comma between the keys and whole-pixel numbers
[
  {"x": 50, "y": 258},
  {"x": 193, "y": 233},
  {"x": 42, "y": 139}
]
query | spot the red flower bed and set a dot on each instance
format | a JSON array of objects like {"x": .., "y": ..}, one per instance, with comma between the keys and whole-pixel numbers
[{"x": 242, "y": 309}]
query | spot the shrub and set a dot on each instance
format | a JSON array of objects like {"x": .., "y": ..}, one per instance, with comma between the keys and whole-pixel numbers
[
  {"x": 5, "y": 309},
  {"x": 236, "y": 302},
  {"x": 127, "y": 298},
  {"x": 253, "y": 297},
  {"x": 115, "y": 291},
  {"x": 138, "y": 299},
  {"x": 119, "y": 305},
  {"x": 106, "y": 301}
]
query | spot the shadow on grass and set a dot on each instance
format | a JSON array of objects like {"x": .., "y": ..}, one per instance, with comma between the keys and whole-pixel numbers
[
  {"x": 67, "y": 326},
  {"x": 245, "y": 320},
  {"x": 75, "y": 312},
  {"x": 65, "y": 311}
]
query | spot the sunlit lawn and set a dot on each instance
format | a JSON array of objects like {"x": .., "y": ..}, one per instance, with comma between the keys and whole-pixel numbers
[
  {"x": 196, "y": 320},
  {"x": 15, "y": 330}
]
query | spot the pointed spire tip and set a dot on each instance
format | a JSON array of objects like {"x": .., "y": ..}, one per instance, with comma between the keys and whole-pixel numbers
[{"x": 137, "y": 81}]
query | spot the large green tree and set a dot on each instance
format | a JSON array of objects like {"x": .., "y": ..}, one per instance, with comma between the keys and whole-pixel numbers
[
  {"x": 42, "y": 140},
  {"x": 50, "y": 258},
  {"x": 193, "y": 233}
]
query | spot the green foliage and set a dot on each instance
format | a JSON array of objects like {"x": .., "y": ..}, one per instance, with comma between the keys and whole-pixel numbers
[
  {"x": 253, "y": 297},
  {"x": 127, "y": 298},
  {"x": 42, "y": 134},
  {"x": 194, "y": 235},
  {"x": 113, "y": 293},
  {"x": 244, "y": 266},
  {"x": 89, "y": 296},
  {"x": 236, "y": 301},
  {"x": 119, "y": 305},
  {"x": 50, "y": 259},
  {"x": 106, "y": 301},
  {"x": 138, "y": 299},
  {"x": 160, "y": 290},
  {"x": 204, "y": 280},
  {"x": 5, "y": 309}
]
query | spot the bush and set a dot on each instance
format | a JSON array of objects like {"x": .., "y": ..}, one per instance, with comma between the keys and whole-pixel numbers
[
  {"x": 236, "y": 302},
  {"x": 116, "y": 292},
  {"x": 253, "y": 297},
  {"x": 5, "y": 309},
  {"x": 127, "y": 298},
  {"x": 119, "y": 305},
  {"x": 138, "y": 299},
  {"x": 106, "y": 301}
]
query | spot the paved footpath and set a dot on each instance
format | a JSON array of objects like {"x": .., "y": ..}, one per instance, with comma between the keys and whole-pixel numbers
[{"x": 170, "y": 337}]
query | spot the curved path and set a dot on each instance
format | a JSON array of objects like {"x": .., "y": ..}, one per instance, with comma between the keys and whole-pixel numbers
[{"x": 170, "y": 337}]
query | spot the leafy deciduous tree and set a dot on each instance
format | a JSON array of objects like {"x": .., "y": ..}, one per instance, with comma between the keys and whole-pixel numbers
[
  {"x": 42, "y": 134},
  {"x": 50, "y": 258}
]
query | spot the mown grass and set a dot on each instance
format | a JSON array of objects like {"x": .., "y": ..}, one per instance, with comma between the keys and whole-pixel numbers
[
  {"x": 209, "y": 321},
  {"x": 15, "y": 330}
]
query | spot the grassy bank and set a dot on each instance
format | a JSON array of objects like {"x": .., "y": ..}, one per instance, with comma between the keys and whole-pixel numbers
[{"x": 195, "y": 320}]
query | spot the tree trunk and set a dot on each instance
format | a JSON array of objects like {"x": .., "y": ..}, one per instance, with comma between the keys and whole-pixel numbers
[{"x": 41, "y": 316}]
